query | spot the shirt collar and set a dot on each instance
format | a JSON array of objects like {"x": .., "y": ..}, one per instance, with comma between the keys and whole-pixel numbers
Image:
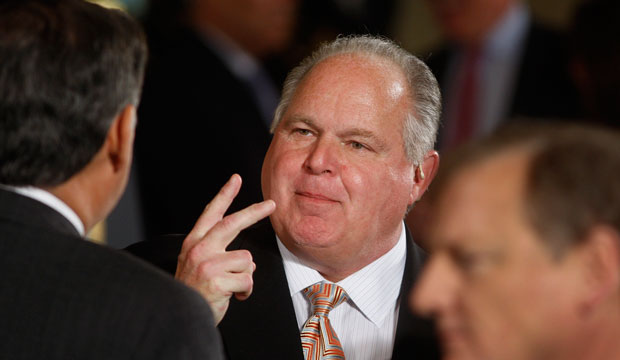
[
  {"x": 370, "y": 288},
  {"x": 50, "y": 200}
]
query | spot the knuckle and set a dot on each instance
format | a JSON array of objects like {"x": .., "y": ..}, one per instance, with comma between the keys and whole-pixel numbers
[
  {"x": 205, "y": 270},
  {"x": 247, "y": 281},
  {"x": 217, "y": 287},
  {"x": 244, "y": 255},
  {"x": 194, "y": 255},
  {"x": 227, "y": 222}
]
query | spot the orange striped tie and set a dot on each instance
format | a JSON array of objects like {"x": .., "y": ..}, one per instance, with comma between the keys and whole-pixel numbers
[{"x": 318, "y": 339}]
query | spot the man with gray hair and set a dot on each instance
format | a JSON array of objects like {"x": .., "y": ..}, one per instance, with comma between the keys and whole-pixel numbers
[{"x": 352, "y": 150}]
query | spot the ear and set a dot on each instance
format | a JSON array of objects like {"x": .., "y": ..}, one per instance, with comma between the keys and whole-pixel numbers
[
  {"x": 424, "y": 175},
  {"x": 600, "y": 257},
  {"x": 119, "y": 141}
]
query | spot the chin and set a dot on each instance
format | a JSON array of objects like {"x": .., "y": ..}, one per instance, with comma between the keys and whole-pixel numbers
[{"x": 313, "y": 232}]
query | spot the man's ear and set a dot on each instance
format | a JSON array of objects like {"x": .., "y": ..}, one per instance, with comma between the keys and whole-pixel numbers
[
  {"x": 424, "y": 175},
  {"x": 119, "y": 141},
  {"x": 600, "y": 256}
]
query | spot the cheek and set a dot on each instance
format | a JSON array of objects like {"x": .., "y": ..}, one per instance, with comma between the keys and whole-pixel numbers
[
  {"x": 282, "y": 170},
  {"x": 355, "y": 178}
]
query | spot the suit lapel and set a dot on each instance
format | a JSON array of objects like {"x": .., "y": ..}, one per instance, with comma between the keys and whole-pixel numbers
[
  {"x": 263, "y": 326},
  {"x": 415, "y": 336}
]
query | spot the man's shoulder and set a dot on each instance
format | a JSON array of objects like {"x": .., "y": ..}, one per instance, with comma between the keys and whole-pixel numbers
[{"x": 108, "y": 303}]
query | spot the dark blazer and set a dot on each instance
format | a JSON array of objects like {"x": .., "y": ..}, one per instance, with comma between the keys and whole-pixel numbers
[
  {"x": 62, "y": 297},
  {"x": 543, "y": 89},
  {"x": 264, "y": 326},
  {"x": 198, "y": 125}
]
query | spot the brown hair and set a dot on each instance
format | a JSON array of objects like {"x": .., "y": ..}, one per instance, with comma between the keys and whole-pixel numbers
[{"x": 571, "y": 182}]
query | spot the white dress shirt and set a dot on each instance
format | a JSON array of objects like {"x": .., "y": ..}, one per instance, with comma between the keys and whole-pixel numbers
[
  {"x": 366, "y": 322},
  {"x": 50, "y": 200}
]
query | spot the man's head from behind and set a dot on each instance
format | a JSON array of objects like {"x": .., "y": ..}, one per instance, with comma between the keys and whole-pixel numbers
[
  {"x": 526, "y": 247},
  {"x": 356, "y": 119},
  {"x": 68, "y": 68}
]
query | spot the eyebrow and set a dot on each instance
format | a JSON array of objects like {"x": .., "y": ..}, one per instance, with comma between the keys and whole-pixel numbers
[
  {"x": 297, "y": 119},
  {"x": 377, "y": 142}
]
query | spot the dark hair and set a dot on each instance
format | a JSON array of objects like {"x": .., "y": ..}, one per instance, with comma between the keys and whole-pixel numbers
[
  {"x": 571, "y": 183},
  {"x": 67, "y": 68}
]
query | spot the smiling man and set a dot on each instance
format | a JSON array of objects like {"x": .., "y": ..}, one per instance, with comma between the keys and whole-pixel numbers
[
  {"x": 352, "y": 151},
  {"x": 526, "y": 248}
]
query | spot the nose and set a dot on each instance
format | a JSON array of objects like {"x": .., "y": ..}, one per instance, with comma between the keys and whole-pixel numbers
[
  {"x": 323, "y": 157},
  {"x": 436, "y": 290}
]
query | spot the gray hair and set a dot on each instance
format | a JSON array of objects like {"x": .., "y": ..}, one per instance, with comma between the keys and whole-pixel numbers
[{"x": 420, "y": 124}]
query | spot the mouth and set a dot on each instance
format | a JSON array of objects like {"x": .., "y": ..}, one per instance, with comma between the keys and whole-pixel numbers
[{"x": 314, "y": 196}]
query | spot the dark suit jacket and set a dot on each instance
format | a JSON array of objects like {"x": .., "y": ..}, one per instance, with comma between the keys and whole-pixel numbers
[
  {"x": 62, "y": 297},
  {"x": 264, "y": 326},
  {"x": 198, "y": 125},
  {"x": 543, "y": 86}
]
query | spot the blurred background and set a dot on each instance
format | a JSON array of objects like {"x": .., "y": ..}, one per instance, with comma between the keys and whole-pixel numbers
[
  {"x": 216, "y": 68},
  {"x": 407, "y": 21}
]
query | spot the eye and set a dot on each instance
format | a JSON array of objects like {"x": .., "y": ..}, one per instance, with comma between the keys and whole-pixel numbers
[
  {"x": 475, "y": 263},
  {"x": 358, "y": 146},
  {"x": 302, "y": 132}
]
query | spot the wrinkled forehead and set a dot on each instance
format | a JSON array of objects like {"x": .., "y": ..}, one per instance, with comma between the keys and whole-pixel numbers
[
  {"x": 362, "y": 71},
  {"x": 355, "y": 84}
]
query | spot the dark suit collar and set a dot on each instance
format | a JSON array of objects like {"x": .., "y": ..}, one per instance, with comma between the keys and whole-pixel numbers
[
  {"x": 23, "y": 210},
  {"x": 264, "y": 326},
  {"x": 415, "y": 336}
]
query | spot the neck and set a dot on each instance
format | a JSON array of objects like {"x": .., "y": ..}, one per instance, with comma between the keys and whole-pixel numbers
[
  {"x": 77, "y": 199},
  {"x": 336, "y": 264}
]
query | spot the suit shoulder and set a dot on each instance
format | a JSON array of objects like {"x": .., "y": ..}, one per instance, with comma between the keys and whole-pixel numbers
[{"x": 59, "y": 287}]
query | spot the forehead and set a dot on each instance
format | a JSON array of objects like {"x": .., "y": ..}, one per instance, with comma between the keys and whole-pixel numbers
[
  {"x": 359, "y": 86},
  {"x": 483, "y": 204}
]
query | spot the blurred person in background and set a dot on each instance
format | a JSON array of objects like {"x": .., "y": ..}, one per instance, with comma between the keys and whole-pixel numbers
[
  {"x": 207, "y": 103},
  {"x": 70, "y": 79},
  {"x": 497, "y": 64},
  {"x": 525, "y": 245}
]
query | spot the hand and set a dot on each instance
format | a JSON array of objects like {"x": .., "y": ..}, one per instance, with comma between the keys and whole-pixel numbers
[{"x": 205, "y": 265}]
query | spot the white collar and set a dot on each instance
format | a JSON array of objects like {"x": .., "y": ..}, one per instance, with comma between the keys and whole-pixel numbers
[
  {"x": 50, "y": 200},
  {"x": 380, "y": 279}
]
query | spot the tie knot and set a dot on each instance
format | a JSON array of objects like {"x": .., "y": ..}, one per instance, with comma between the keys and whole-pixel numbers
[{"x": 324, "y": 297}]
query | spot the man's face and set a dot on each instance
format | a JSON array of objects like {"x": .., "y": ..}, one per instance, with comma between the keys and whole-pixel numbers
[
  {"x": 337, "y": 168},
  {"x": 493, "y": 287}
]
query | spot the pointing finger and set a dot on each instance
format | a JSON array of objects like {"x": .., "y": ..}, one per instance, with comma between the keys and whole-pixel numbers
[
  {"x": 214, "y": 211},
  {"x": 225, "y": 231}
]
